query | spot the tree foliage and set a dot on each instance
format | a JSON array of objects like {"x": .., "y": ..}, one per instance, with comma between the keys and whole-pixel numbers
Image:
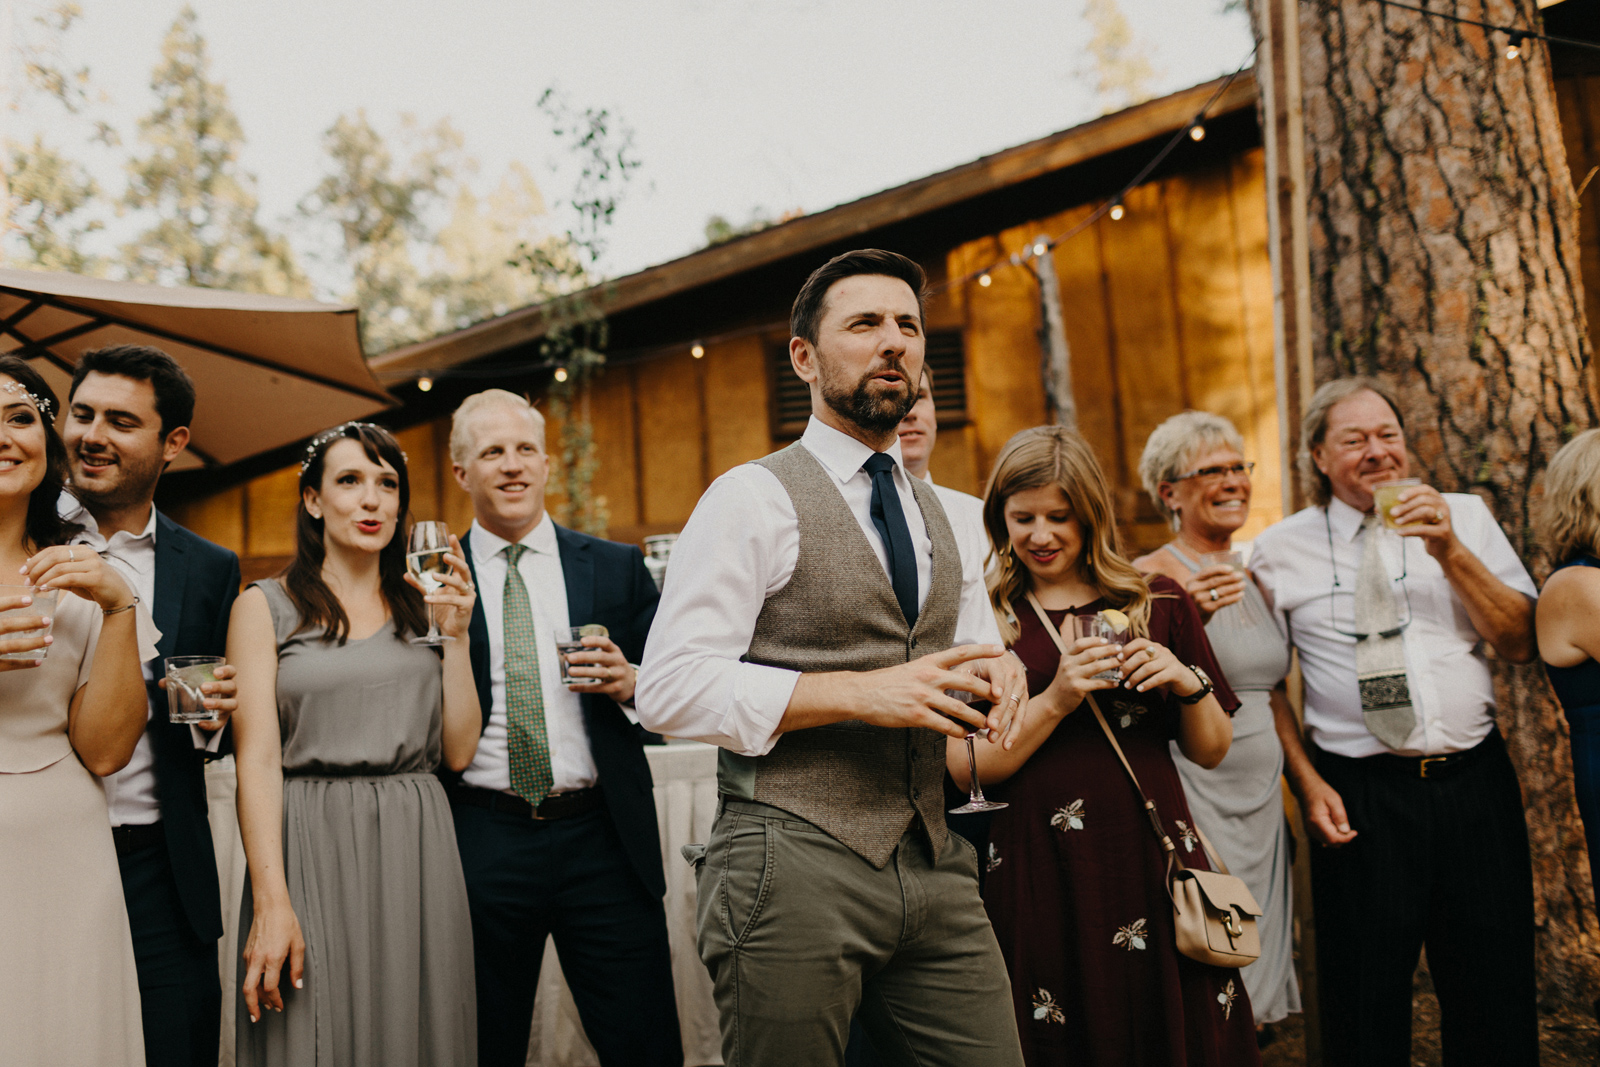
[
  {"x": 205, "y": 230},
  {"x": 1118, "y": 70}
]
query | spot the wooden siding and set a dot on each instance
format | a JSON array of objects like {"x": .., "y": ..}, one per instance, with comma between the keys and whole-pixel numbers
[{"x": 1169, "y": 308}]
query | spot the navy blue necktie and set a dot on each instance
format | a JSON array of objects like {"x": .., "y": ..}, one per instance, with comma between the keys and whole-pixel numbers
[{"x": 890, "y": 520}]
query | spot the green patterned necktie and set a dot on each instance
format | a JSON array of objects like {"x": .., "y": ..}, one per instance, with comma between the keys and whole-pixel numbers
[{"x": 525, "y": 733}]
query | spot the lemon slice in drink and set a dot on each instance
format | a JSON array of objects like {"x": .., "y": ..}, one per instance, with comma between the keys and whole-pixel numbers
[{"x": 1117, "y": 620}]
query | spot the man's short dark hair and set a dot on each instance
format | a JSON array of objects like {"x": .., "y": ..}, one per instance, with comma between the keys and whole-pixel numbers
[
  {"x": 807, "y": 313},
  {"x": 174, "y": 390}
]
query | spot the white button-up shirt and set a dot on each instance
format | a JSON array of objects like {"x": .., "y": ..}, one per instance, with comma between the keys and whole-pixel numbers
[
  {"x": 571, "y": 765},
  {"x": 739, "y": 548},
  {"x": 1451, "y": 688},
  {"x": 132, "y": 796},
  {"x": 965, "y": 513}
]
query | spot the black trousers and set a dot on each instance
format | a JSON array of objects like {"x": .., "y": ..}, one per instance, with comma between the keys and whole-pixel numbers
[
  {"x": 569, "y": 878},
  {"x": 1441, "y": 862},
  {"x": 180, "y": 995}
]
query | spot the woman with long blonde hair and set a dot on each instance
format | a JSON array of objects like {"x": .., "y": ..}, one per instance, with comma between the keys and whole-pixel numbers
[{"x": 1076, "y": 883}]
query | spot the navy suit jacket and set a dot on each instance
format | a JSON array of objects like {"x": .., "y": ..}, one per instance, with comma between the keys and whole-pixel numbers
[
  {"x": 196, "y": 583},
  {"x": 606, "y": 583}
]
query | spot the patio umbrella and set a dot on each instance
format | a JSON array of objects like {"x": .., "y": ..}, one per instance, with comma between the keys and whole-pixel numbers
[{"x": 267, "y": 370}]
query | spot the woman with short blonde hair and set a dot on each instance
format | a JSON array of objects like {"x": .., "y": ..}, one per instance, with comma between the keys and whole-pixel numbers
[
  {"x": 1568, "y": 615},
  {"x": 1076, "y": 884}
]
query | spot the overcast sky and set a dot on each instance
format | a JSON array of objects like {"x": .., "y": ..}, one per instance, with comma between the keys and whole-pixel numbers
[{"x": 735, "y": 104}]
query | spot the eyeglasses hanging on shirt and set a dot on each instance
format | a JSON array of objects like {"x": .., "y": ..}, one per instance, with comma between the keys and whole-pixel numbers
[{"x": 1338, "y": 587}]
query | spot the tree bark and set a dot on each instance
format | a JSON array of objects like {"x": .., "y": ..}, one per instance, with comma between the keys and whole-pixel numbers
[{"x": 1444, "y": 260}]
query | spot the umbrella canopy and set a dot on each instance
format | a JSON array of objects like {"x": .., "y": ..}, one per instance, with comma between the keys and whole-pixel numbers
[{"x": 267, "y": 370}]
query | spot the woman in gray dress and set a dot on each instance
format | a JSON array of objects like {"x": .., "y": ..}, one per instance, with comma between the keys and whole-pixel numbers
[
  {"x": 355, "y": 914},
  {"x": 1194, "y": 469}
]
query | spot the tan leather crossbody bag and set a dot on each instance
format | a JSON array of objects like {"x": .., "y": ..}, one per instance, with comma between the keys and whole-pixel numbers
[{"x": 1213, "y": 912}]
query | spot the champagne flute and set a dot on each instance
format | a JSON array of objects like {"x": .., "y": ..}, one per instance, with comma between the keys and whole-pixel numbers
[
  {"x": 976, "y": 801},
  {"x": 425, "y": 550}
]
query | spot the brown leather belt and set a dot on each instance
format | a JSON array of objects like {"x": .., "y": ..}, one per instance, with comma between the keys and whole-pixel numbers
[
  {"x": 137, "y": 836},
  {"x": 1427, "y": 766},
  {"x": 555, "y": 806}
]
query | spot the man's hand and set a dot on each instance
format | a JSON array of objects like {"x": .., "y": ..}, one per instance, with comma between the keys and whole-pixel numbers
[
  {"x": 1008, "y": 682},
  {"x": 603, "y": 659},
  {"x": 221, "y": 696},
  {"x": 905, "y": 695},
  {"x": 1325, "y": 815},
  {"x": 1423, "y": 512}
]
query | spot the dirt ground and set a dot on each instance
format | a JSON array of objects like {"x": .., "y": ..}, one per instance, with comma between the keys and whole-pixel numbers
[{"x": 1563, "y": 1041}]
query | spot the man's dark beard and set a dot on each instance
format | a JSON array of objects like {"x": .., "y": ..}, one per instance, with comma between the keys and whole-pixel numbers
[
  {"x": 881, "y": 414},
  {"x": 132, "y": 484}
]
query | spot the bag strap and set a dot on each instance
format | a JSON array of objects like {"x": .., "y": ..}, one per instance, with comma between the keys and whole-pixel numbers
[{"x": 1105, "y": 727}]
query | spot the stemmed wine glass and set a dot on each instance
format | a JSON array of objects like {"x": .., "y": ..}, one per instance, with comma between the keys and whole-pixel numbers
[
  {"x": 425, "y": 550},
  {"x": 976, "y": 801}
]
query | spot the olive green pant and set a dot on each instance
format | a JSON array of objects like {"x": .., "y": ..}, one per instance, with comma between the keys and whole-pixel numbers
[{"x": 800, "y": 934}]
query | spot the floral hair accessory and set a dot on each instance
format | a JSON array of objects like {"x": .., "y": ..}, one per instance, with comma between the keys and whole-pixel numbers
[
  {"x": 334, "y": 434},
  {"x": 17, "y": 389}
]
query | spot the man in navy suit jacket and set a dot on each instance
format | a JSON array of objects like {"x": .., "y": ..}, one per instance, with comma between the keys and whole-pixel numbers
[
  {"x": 128, "y": 414},
  {"x": 555, "y": 817}
]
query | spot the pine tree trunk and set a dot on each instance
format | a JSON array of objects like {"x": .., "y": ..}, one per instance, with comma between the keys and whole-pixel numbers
[{"x": 1444, "y": 260}]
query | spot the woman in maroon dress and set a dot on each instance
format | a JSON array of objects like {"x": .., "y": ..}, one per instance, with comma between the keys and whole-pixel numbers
[{"x": 1076, "y": 882}]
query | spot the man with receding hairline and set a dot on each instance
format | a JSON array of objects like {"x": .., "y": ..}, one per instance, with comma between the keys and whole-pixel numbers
[{"x": 814, "y": 620}]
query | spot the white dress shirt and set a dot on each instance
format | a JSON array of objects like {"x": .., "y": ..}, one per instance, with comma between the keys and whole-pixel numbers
[
  {"x": 965, "y": 513},
  {"x": 739, "y": 548},
  {"x": 1451, "y": 688},
  {"x": 132, "y": 796},
  {"x": 571, "y": 765}
]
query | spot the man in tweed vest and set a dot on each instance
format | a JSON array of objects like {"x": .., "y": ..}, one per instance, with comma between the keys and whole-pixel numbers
[{"x": 814, "y": 617}]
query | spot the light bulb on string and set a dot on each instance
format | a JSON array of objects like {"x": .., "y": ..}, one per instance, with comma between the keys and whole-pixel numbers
[
  {"x": 561, "y": 374},
  {"x": 1117, "y": 210},
  {"x": 984, "y": 280},
  {"x": 424, "y": 384},
  {"x": 1197, "y": 132},
  {"x": 698, "y": 350},
  {"x": 1039, "y": 249},
  {"x": 1514, "y": 47}
]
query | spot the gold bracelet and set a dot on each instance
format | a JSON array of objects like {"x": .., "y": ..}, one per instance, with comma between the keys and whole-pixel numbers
[{"x": 118, "y": 611}]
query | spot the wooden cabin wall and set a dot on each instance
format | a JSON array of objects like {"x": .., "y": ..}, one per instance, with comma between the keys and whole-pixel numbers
[{"x": 1167, "y": 309}]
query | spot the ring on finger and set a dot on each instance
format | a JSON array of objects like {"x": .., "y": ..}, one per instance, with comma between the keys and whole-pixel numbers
[
  {"x": 1213, "y": 594},
  {"x": 71, "y": 555}
]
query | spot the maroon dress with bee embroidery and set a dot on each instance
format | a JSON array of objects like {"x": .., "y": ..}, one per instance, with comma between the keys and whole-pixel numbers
[{"x": 1076, "y": 879}]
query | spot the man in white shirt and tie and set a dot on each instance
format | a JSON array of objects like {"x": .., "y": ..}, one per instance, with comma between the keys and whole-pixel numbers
[
  {"x": 1407, "y": 788},
  {"x": 555, "y": 817},
  {"x": 807, "y": 628}
]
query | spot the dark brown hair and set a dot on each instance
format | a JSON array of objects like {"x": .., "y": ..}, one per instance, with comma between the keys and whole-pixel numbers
[
  {"x": 173, "y": 388},
  {"x": 302, "y": 579},
  {"x": 806, "y": 315},
  {"x": 45, "y": 526}
]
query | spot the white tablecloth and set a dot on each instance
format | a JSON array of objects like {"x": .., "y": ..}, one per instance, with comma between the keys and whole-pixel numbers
[{"x": 685, "y": 774}]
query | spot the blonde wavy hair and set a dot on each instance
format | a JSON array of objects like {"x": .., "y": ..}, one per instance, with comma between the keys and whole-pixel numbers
[
  {"x": 1055, "y": 455},
  {"x": 1569, "y": 521}
]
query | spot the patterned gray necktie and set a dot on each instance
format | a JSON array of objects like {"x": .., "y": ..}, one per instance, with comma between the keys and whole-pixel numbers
[{"x": 1381, "y": 652}]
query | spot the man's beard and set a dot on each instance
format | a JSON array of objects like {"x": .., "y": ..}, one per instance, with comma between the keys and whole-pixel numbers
[
  {"x": 128, "y": 484},
  {"x": 875, "y": 414}
]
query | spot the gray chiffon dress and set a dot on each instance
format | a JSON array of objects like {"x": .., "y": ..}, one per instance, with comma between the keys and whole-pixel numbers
[
  {"x": 370, "y": 858},
  {"x": 1239, "y": 803}
]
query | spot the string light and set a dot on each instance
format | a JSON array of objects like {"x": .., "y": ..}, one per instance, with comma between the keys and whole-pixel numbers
[
  {"x": 1040, "y": 248},
  {"x": 698, "y": 351},
  {"x": 984, "y": 280},
  {"x": 1197, "y": 132},
  {"x": 561, "y": 374},
  {"x": 1514, "y": 48},
  {"x": 1117, "y": 211},
  {"x": 424, "y": 384}
]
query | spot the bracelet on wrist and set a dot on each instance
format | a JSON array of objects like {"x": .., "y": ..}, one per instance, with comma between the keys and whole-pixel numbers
[{"x": 118, "y": 611}]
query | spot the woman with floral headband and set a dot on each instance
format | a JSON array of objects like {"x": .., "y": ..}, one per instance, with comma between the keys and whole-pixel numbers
[
  {"x": 358, "y": 943},
  {"x": 72, "y": 706}
]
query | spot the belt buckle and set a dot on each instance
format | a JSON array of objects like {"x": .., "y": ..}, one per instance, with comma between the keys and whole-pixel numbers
[{"x": 1422, "y": 765}]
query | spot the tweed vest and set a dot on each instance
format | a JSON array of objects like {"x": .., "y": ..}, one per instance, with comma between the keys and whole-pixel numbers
[{"x": 864, "y": 785}]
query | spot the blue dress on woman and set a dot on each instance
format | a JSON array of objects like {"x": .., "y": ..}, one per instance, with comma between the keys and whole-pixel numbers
[{"x": 1578, "y": 689}]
